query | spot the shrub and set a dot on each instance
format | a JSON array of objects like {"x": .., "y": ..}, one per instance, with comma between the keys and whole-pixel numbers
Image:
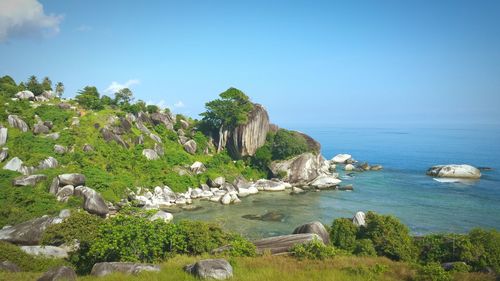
[
  {"x": 343, "y": 234},
  {"x": 432, "y": 272},
  {"x": 390, "y": 237},
  {"x": 486, "y": 249},
  {"x": 444, "y": 248},
  {"x": 52, "y": 113},
  {"x": 80, "y": 226},
  {"x": 314, "y": 250},
  {"x": 201, "y": 142},
  {"x": 240, "y": 247},
  {"x": 287, "y": 144},
  {"x": 26, "y": 262},
  {"x": 364, "y": 247},
  {"x": 201, "y": 237}
]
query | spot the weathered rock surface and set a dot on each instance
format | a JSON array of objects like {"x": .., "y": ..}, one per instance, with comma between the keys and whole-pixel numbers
[
  {"x": 269, "y": 185},
  {"x": 245, "y": 139},
  {"x": 28, "y": 180},
  {"x": 150, "y": 154},
  {"x": 40, "y": 129},
  {"x": 301, "y": 169},
  {"x": 9, "y": 267},
  {"x": 65, "y": 192},
  {"x": 454, "y": 171},
  {"x": 190, "y": 146},
  {"x": 163, "y": 118},
  {"x": 349, "y": 167},
  {"x": 25, "y": 95},
  {"x": 108, "y": 136},
  {"x": 15, "y": 164},
  {"x": 315, "y": 227},
  {"x": 60, "y": 273},
  {"x": 359, "y": 219},
  {"x": 3, "y": 136},
  {"x": 218, "y": 269},
  {"x": 162, "y": 215},
  {"x": 282, "y": 244},
  {"x": 59, "y": 149},
  {"x": 17, "y": 122},
  {"x": 93, "y": 201},
  {"x": 29, "y": 232},
  {"x": 198, "y": 168},
  {"x": 48, "y": 163},
  {"x": 342, "y": 159},
  {"x": 325, "y": 181},
  {"x": 53, "y": 136},
  {"x": 45, "y": 251},
  {"x": 71, "y": 179},
  {"x": 217, "y": 182},
  {"x": 106, "y": 268},
  {"x": 4, "y": 154}
]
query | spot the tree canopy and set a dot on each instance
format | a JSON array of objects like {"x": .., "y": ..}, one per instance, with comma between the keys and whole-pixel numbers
[
  {"x": 230, "y": 110},
  {"x": 89, "y": 98}
]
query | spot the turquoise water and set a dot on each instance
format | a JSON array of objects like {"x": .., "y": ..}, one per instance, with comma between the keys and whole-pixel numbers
[{"x": 401, "y": 189}]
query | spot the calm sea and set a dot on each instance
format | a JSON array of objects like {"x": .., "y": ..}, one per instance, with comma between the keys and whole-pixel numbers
[{"x": 401, "y": 189}]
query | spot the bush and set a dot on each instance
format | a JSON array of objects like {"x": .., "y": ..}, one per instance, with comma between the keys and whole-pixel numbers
[
  {"x": 200, "y": 237},
  {"x": 26, "y": 262},
  {"x": 486, "y": 249},
  {"x": 314, "y": 250},
  {"x": 364, "y": 247},
  {"x": 287, "y": 144},
  {"x": 390, "y": 237},
  {"x": 80, "y": 226},
  {"x": 432, "y": 272},
  {"x": 343, "y": 234},
  {"x": 240, "y": 247},
  {"x": 443, "y": 248}
]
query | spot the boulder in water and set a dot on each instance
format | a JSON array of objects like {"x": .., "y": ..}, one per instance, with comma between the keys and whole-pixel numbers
[
  {"x": 325, "y": 181},
  {"x": 454, "y": 171},
  {"x": 342, "y": 159},
  {"x": 301, "y": 169}
]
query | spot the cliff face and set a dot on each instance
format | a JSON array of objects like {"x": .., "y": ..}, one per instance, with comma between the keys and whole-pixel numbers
[{"x": 245, "y": 139}]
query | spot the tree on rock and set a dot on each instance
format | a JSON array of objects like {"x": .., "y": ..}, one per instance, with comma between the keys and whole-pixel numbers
[{"x": 229, "y": 111}]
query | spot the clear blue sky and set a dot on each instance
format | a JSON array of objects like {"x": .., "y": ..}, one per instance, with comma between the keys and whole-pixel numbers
[{"x": 309, "y": 62}]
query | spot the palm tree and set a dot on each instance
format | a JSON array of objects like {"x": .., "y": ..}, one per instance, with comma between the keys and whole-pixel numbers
[
  {"x": 59, "y": 89},
  {"x": 47, "y": 84}
]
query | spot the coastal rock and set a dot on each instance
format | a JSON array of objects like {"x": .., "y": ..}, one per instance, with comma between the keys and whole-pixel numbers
[
  {"x": 218, "y": 269},
  {"x": 15, "y": 164},
  {"x": 245, "y": 139},
  {"x": 297, "y": 190},
  {"x": 349, "y": 167},
  {"x": 150, "y": 154},
  {"x": 9, "y": 267},
  {"x": 162, "y": 215},
  {"x": 28, "y": 180},
  {"x": 45, "y": 251},
  {"x": 283, "y": 244},
  {"x": 29, "y": 232},
  {"x": 454, "y": 171},
  {"x": 301, "y": 169},
  {"x": 315, "y": 227},
  {"x": 17, "y": 122},
  {"x": 217, "y": 182},
  {"x": 59, "y": 149},
  {"x": 226, "y": 199},
  {"x": 325, "y": 181},
  {"x": 364, "y": 166},
  {"x": 198, "y": 168},
  {"x": 93, "y": 202},
  {"x": 48, "y": 163},
  {"x": 60, "y": 273},
  {"x": 3, "y": 136},
  {"x": 269, "y": 185},
  {"x": 71, "y": 179},
  {"x": 376, "y": 168},
  {"x": 342, "y": 159},
  {"x": 106, "y": 268},
  {"x": 25, "y": 95},
  {"x": 359, "y": 219},
  {"x": 4, "y": 154},
  {"x": 190, "y": 146},
  {"x": 241, "y": 182}
]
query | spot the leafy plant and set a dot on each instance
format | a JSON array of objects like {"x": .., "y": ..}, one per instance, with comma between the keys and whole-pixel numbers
[
  {"x": 432, "y": 272},
  {"x": 343, "y": 234},
  {"x": 314, "y": 250}
]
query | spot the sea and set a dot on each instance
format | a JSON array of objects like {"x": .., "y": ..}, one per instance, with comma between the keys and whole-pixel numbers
[{"x": 401, "y": 189}]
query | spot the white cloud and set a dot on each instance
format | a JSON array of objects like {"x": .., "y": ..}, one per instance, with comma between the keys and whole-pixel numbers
[
  {"x": 179, "y": 104},
  {"x": 84, "y": 28},
  {"x": 115, "y": 86},
  {"x": 26, "y": 18}
]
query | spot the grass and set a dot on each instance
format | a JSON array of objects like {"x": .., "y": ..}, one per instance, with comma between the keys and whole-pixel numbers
[{"x": 281, "y": 268}]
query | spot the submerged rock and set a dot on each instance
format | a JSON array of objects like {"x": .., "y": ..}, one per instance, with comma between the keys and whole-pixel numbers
[
  {"x": 454, "y": 171},
  {"x": 106, "y": 268},
  {"x": 269, "y": 216},
  {"x": 218, "y": 269}
]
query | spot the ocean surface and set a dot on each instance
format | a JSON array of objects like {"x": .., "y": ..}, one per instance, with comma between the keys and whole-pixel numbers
[{"x": 402, "y": 189}]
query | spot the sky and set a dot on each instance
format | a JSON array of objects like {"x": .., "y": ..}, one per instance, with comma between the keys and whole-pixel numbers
[{"x": 310, "y": 63}]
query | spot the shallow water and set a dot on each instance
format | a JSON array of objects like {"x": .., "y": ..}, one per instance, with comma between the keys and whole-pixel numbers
[{"x": 401, "y": 189}]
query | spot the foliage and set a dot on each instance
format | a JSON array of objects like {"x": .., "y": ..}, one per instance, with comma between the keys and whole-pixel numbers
[
  {"x": 231, "y": 110},
  {"x": 343, "y": 234},
  {"x": 364, "y": 247},
  {"x": 34, "y": 86},
  {"x": 314, "y": 250},
  {"x": 12, "y": 253},
  {"x": 80, "y": 226},
  {"x": 486, "y": 249},
  {"x": 390, "y": 237},
  {"x": 123, "y": 96},
  {"x": 89, "y": 98},
  {"x": 444, "y": 248},
  {"x": 151, "y": 108},
  {"x": 240, "y": 247},
  {"x": 262, "y": 158},
  {"x": 201, "y": 142},
  {"x": 432, "y": 272},
  {"x": 51, "y": 113},
  {"x": 287, "y": 144}
]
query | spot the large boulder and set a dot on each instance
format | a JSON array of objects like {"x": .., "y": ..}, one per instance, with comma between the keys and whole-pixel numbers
[
  {"x": 301, "y": 169},
  {"x": 283, "y": 244},
  {"x": 325, "y": 181},
  {"x": 190, "y": 146},
  {"x": 245, "y": 139},
  {"x": 65, "y": 192},
  {"x": 342, "y": 159},
  {"x": 359, "y": 219},
  {"x": 71, "y": 179},
  {"x": 218, "y": 269},
  {"x": 92, "y": 201},
  {"x": 315, "y": 227},
  {"x": 106, "y": 268},
  {"x": 48, "y": 163},
  {"x": 163, "y": 118},
  {"x": 454, "y": 171},
  {"x": 150, "y": 154},
  {"x": 3, "y": 136},
  {"x": 9, "y": 267},
  {"x": 17, "y": 122},
  {"x": 217, "y": 182},
  {"x": 45, "y": 251},
  {"x": 29, "y": 232},
  {"x": 108, "y": 136},
  {"x": 269, "y": 185},
  {"x": 25, "y": 95},
  {"x": 28, "y": 180},
  {"x": 60, "y": 273}
]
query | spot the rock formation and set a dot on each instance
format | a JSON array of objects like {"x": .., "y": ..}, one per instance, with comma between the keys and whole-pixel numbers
[
  {"x": 301, "y": 169},
  {"x": 454, "y": 171}
]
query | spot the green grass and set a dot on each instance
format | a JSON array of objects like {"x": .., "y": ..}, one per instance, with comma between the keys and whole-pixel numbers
[{"x": 280, "y": 268}]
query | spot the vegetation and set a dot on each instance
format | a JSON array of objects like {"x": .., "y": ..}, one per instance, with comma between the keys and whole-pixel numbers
[
  {"x": 343, "y": 234},
  {"x": 314, "y": 250},
  {"x": 25, "y": 261}
]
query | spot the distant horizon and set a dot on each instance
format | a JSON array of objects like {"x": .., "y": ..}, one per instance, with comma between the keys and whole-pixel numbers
[{"x": 384, "y": 63}]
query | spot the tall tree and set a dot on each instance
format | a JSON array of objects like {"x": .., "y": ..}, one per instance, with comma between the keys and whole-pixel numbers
[
  {"x": 33, "y": 85},
  {"x": 124, "y": 96},
  {"x": 47, "y": 84},
  {"x": 89, "y": 98},
  {"x": 59, "y": 89}
]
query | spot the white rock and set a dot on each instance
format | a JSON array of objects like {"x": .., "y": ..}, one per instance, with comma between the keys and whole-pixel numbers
[
  {"x": 45, "y": 251},
  {"x": 150, "y": 154},
  {"x": 325, "y": 181},
  {"x": 268, "y": 185},
  {"x": 341, "y": 158},
  {"x": 349, "y": 167},
  {"x": 25, "y": 95},
  {"x": 14, "y": 164},
  {"x": 198, "y": 168},
  {"x": 3, "y": 136},
  {"x": 359, "y": 219},
  {"x": 226, "y": 199},
  {"x": 161, "y": 215},
  {"x": 454, "y": 171}
]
